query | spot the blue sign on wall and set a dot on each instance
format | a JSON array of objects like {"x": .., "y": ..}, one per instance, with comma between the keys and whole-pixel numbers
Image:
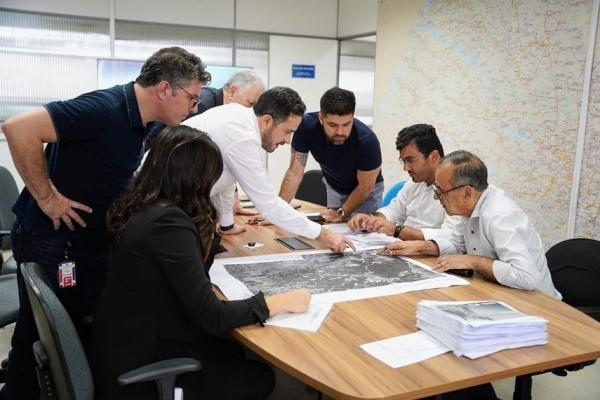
[{"x": 303, "y": 71}]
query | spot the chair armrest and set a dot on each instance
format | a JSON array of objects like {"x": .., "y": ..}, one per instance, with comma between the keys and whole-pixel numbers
[{"x": 160, "y": 369}]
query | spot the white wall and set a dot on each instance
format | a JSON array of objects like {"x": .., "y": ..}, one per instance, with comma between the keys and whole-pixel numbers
[
  {"x": 357, "y": 17},
  {"x": 285, "y": 51},
  {"x": 306, "y": 17},
  {"x": 82, "y": 8},
  {"x": 209, "y": 13}
]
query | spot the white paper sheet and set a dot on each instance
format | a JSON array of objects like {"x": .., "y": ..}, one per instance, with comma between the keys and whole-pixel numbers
[
  {"x": 404, "y": 350},
  {"x": 308, "y": 321},
  {"x": 362, "y": 240}
]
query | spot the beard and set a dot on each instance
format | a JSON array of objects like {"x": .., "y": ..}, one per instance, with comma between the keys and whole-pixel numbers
[
  {"x": 270, "y": 147},
  {"x": 267, "y": 140},
  {"x": 337, "y": 140}
]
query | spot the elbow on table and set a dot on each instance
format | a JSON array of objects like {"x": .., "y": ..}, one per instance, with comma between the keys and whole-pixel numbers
[{"x": 528, "y": 280}]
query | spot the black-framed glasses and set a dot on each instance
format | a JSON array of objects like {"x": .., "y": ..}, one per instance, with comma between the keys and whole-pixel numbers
[
  {"x": 195, "y": 99},
  {"x": 410, "y": 160},
  {"x": 438, "y": 193}
]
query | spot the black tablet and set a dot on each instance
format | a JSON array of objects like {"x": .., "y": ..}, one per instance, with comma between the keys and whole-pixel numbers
[
  {"x": 316, "y": 218},
  {"x": 294, "y": 243},
  {"x": 461, "y": 271}
]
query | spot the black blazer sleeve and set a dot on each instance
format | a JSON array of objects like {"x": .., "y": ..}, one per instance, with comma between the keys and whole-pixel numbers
[{"x": 174, "y": 248}]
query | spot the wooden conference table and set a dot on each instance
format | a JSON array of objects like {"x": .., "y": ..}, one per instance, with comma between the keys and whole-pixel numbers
[{"x": 331, "y": 360}]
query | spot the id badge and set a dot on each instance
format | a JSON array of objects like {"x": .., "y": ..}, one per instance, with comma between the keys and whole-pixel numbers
[{"x": 66, "y": 274}]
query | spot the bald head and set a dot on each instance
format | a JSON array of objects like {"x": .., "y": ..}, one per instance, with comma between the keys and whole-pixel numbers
[{"x": 468, "y": 169}]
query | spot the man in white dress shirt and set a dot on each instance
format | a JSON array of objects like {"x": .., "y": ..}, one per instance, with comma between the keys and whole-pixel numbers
[
  {"x": 498, "y": 238},
  {"x": 242, "y": 135},
  {"x": 413, "y": 214}
]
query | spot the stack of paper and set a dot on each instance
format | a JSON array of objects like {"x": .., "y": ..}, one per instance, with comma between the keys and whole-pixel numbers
[{"x": 478, "y": 328}]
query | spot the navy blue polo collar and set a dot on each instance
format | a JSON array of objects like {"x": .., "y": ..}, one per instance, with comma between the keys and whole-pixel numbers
[
  {"x": 219, "y": 101},
  {"x": 133, "y": 109}
]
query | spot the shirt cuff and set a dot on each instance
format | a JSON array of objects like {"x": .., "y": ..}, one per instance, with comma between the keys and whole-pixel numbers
[
  {"x": 226, "y": 219},
  {"x": 386, "y": 214},
  {"x": 313, "y": 230},
  {"x": 259, "y": 307},
  {"x": 501, "y": 272},
  {"x": 444, "y": 244}
]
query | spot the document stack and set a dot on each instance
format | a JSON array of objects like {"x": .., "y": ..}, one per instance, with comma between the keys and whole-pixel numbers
[{"x": 478, "y": 328}]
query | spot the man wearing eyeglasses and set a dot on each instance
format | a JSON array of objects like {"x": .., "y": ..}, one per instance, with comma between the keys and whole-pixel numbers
[
  {"x": 95, "y": 142},
  {"x": 413, "y": 214},
  {"x": 497, "y": 240}
]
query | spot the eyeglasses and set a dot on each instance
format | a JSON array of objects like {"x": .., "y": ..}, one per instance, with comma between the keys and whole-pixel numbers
[
  {"x": 438, "y": 193},
  {"x": 410, "y": 160},
  {"x": 195, "y": 99}
]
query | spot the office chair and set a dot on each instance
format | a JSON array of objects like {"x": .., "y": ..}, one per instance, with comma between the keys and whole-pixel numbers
[
  {"x": 8, "y": 196},
  {"x": 312, "y": 188},
  {"x": 575, "y": 268},
  {"x": 392, "y": 192},
  {"x": 9, "y": 306},
  {"x": 63, "y": 369}
]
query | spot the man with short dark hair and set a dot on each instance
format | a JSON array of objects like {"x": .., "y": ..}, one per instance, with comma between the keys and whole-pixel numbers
[
  {"x": 95, "y": 142},
  {"x": 497, "y": 239},
  {"x": 348, "y": 153},
  {"x": 413, "y": 214},
  {"x": 242, "y": 134}
]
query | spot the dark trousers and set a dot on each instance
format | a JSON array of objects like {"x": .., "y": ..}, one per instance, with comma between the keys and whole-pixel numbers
[
  {"x": 90, "y": 258},
  {"x": 231, "y": 376}
]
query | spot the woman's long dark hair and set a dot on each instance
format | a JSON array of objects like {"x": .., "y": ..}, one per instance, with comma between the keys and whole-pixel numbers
[{"x": 180, "y": 170}]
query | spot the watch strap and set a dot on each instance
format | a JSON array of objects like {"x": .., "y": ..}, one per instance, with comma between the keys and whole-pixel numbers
[{"x": 397, "y": 229}]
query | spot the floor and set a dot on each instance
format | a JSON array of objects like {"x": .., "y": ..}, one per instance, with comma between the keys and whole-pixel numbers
[{"x": 584, "y": 384}]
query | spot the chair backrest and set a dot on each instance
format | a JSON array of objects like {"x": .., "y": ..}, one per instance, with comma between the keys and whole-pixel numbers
[
  {"x": 8, "y": 195},
  {"x": 392, "y": 192},
  {"x": 9, "y": 299},
  {"x": 575, "y": 268},
  {"x": 68, "y": 364},
  {"x": 312, "y": 188}
]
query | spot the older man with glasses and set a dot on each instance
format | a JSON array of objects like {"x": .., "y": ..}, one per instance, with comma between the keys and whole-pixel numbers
[
  {"x": 413, "y": 214},
  {"x": 497, "y": 239}
]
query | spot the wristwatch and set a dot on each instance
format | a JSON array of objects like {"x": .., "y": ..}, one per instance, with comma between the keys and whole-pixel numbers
[
  {"x": 341, "y": 213},
  {"x": 397, "y": 228}
]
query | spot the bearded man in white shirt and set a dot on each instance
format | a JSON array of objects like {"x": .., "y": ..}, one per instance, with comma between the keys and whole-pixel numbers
[
  {"x": 413, "y": 214},
  {"x": 498, "y": 238},
  {"x": 243, "y": 134}
]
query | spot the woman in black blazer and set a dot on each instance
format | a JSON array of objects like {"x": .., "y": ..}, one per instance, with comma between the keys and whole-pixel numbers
[{"x": 158, "y": 302}]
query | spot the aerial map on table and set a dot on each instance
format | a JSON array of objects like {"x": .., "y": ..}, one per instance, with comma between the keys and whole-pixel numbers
[{"x": 347, "y": 276}]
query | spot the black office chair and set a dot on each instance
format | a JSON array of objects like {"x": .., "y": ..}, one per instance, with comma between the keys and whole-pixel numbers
[
  {"x": 9, "y": 306},
  {"x": 312, "y": 188},
  {"x": 63, "y": 369},
  {"x": 8, "y": 196},
  {"x": 575, "y": 268}
]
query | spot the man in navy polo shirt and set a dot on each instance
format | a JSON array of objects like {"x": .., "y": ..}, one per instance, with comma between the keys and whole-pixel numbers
[
  {"x": 95, "y": 142},
  {"x": 349, "y": 155}
]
